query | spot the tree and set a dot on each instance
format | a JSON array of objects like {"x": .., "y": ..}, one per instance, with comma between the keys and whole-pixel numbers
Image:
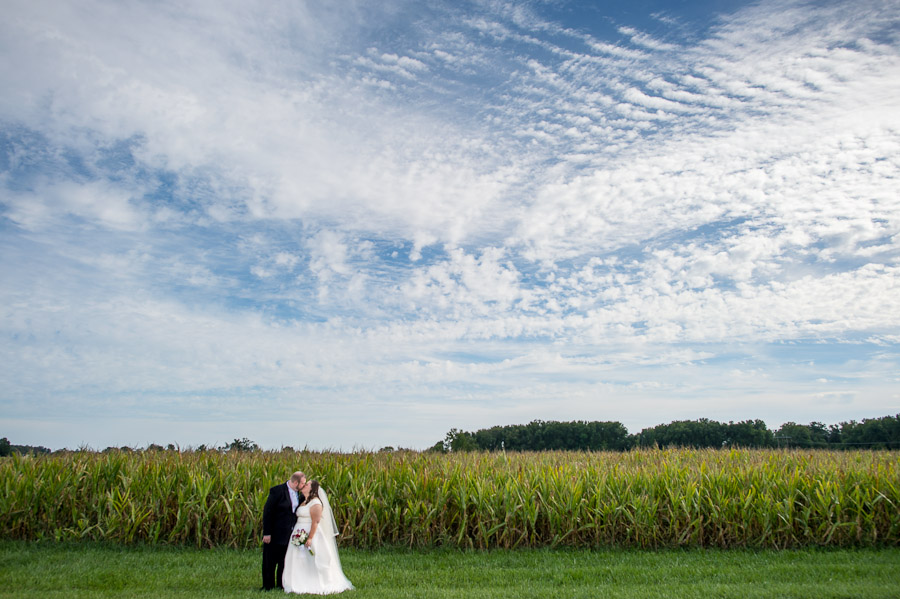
[
  {"x": 244, "y": 444},
  {"x": 457, "y": 440},
  {"x": 748, "y": 433},
  {"x": 489, "y": 439},
  {"x": 835, "y": 436},
  {"x": 7, "y": 449},
  {"x": 818, "y": 434},
  {"x": 792, "y": 434},
  {"x": 685, "y": 433},
  {"x": 539, "y": 435},
  {"x": 876, "y": 433},
  {"x": 438, "y": 447}
]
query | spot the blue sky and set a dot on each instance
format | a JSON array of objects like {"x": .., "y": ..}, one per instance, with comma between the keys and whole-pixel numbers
[{"x": 352, "y": 224}]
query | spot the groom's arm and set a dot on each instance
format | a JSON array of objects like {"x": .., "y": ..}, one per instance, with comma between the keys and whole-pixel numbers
[{"x": 269, "y": 516}]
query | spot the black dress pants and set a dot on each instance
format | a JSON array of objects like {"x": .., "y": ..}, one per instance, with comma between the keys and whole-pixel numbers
[{"x": 273, "y": 561}]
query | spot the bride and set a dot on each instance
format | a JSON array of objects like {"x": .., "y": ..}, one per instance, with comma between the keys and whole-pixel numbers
[{"x": 312, "y": 565}]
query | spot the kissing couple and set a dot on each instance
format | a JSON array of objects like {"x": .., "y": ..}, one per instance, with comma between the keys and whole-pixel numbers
[{"x": 299, "y": 549}]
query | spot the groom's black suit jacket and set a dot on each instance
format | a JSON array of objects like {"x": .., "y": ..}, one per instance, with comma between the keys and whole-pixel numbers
[{"x": 278, "y": 517}]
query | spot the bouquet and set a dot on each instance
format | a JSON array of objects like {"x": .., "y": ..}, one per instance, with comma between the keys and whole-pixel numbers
[{"x": 299, "y": 538}]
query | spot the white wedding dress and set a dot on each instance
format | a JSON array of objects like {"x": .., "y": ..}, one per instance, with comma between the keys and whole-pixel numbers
[{"x": 318, "y": 574}]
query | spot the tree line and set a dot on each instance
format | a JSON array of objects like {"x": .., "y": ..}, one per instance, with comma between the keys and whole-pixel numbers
[
  {"x": 245, "y": 444},
  {"x": 540, "y": 435},
  {"x": 7, "y": 448}
]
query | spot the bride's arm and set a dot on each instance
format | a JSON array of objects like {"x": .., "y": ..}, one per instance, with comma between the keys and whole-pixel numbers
[{"x": 315, "y": 514}]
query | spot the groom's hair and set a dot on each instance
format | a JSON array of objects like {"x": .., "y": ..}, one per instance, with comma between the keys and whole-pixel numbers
[{"x": 296, "y": 477}]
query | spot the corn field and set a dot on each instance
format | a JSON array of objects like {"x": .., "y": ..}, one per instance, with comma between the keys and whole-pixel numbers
[{"x": 642, "y": 499}]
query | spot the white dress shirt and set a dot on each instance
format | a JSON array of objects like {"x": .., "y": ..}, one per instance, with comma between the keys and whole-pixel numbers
[{"x": 295, "y": 497}]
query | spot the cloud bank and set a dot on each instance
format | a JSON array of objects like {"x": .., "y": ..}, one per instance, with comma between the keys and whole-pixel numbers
[{"x": 347, "y": 226}]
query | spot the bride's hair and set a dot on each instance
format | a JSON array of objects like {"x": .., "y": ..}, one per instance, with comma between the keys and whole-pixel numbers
[{"x": 313, "y": 490}]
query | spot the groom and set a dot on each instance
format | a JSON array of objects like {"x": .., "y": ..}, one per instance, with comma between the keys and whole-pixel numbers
[{"x": 278, "y": 521}]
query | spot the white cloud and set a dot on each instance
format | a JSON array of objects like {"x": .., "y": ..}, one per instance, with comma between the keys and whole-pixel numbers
[
  {"x": 328, "y": 253},
  {"x": 464, "y": 283},
  {"x": 99, "y": 202},
  {"x": 642, "y": 39}
]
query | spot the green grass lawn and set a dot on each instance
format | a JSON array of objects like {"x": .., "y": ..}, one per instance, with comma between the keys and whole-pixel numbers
[{"x": 73, "y": 571}]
